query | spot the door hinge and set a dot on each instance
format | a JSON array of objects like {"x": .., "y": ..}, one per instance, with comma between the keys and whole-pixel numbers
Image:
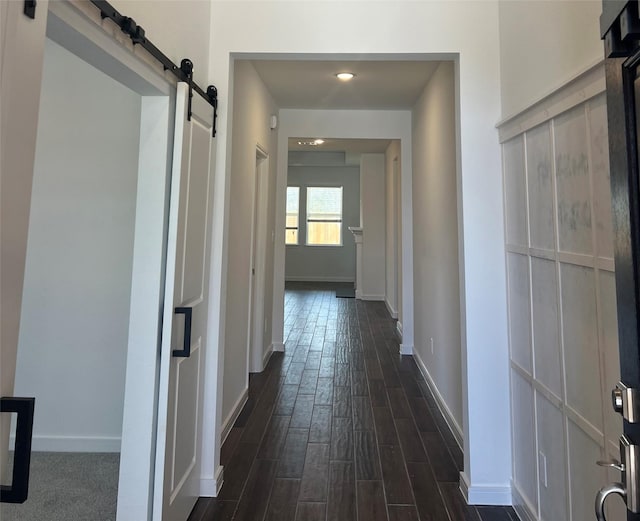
[{"x": 30, "y": 8}]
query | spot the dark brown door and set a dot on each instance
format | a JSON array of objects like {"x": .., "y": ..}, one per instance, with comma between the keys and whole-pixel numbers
[{"x": 620, "y": 25}]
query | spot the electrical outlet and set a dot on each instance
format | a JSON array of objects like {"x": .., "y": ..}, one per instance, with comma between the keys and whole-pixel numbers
[
  {"x": 542, "y": 468},
  {"x": 431, "y": 345}
]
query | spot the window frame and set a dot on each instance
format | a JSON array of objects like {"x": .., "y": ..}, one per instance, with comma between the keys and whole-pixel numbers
[
  {"x": 307, "y": 220},
  {"x": 297, "y": 228}
]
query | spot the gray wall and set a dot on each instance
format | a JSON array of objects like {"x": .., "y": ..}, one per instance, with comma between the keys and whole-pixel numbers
[{"x": 325, "y": 263}]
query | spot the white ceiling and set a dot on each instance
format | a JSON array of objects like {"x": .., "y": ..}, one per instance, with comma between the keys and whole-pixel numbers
[{"x": 312, "y": 84}]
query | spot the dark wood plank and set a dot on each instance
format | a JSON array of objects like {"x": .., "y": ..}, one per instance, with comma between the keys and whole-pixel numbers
[
  {"x": 362, "y": 415},
  {"x": 308, "y": 382},
  {"x": 371, "y": 504},
  {"x": 402, "y": 513},
  {"x": 229, "y": 445},
  {"x": 456, "y": 505},
  {"x": 342, "y": 376},
  {"x": 385, "y": 427},
  {"x": 398, "y": 403},
  {"x": 313, "y": 360},
  {"x": 283, "y": 502},
  {"x": 342, "y": 402},
  {"x": 293, "y": 454},
  {"x": 442, "y": 464},
  {"x": 302, "y": 411},
  {"x": 311, "y": 512},
  {"x": 425, "y": 489},
  {"x": 218, "y": 510},
  {"x": 327, "y": 369},
  {"x": 366, "y": 455},
  {"x": 316, "y": 473},
  {"x": 274, "y": 438},
  {"x": 410, "y": 441},
  {"x": 324, "y": 391},
  {"x": 237, "y": 471},
  {"x": 495, "y": 513},
  {"x": 341, "y": 505},
  {"x": 255, "y": 498},
  {"x": 342, "y": 439},
  {"x": 394, "y": 473},
  {"x": 422, "y": 415},
  {"x": 378, "y": 393},
  {"x": 286, "y": 400},
  {"x": 294, "y": 374},
  {"x": 359, "y": 386},
  {"x": 320, "y": 431}
]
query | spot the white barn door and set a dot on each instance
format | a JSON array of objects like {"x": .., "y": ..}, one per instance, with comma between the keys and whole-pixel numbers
[{"x": 185, "y": 312}]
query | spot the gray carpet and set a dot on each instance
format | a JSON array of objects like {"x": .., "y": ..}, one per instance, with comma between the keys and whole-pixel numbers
[{"x": 68, "y": 487}]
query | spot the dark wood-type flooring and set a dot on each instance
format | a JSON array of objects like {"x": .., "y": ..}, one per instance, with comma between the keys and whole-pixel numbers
[{"x": 340, "y": 428}]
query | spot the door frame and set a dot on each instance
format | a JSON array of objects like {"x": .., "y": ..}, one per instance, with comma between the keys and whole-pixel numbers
[
  {"x": 256, "y": 359},
  {"x": 76, "y": 27}
]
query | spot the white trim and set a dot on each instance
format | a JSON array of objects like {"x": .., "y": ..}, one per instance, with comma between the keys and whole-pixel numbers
[
  {"x": 399, "y": 329},
  {"x": 373, "y": 298},
  {"x": 227, "y": 425},
  {"x": 576, "y": 91},
  {"x": 497, "y": 495},
  {"x": 522, "y": 507},
  {"x": 211, "y": 487},
  {"x": 267, "y": 356},
  {"x": 277, "y": 347},
  {"x": 73, "y": 443},
  {"x": 316, "y": 278},
  {"x": 392, "y": 312},
  {"x": 358, "y": 294},
  {"x": 406, "y": 349},
  {"x": 452, "y": 423}
]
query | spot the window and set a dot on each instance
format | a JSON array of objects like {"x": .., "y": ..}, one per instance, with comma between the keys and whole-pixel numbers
[
  {"x": 324, "y": 216},
  {"x": 293, "y": 214}
]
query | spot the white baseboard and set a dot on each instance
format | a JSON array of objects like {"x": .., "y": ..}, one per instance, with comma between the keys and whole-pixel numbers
[
  {"x": 373, "y": 298},
  {"x": 494, "y": 495},
  {"x": 211, "y": 487},
  {"x": 406, "y": 349},
  {"x": 392, "y": 312},
  {"x": 227, "y": 425},
  {"x": 316, "y": 278},
  {"x": 399, "y": 329},
  {"x": 454, "y": 426},
  {"x": 267, "y": 356},
  {"x": 524, "y": 510},
  {"x": 277, "y": 347},
  {"x": 358, "y": 294},
  {"x": 41, "y": 443}
]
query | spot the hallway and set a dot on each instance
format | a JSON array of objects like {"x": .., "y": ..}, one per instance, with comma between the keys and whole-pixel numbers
[{"x": 340, "y": 428}]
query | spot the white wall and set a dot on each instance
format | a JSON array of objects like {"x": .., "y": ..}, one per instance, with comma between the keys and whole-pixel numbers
[
  {"x": 75, "y": 313},
  {"x": 562, "y": 307},
  {"x": 316, "y": 29},
  {"x": 435, "y": 240},
  {"x": 372, "y": 202},
  {"x": 180, "y": 28},
  {"x": 543, "y": 45},
  {"x": 325, "y": 263},
  {"x": 392, "y": 222},
  {"x": 252, "y": 109}
]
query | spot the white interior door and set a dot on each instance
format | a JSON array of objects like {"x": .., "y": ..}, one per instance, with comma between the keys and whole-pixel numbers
[
  {"x": 185, "y": 312},
  {"x": 21, "y": 57}
]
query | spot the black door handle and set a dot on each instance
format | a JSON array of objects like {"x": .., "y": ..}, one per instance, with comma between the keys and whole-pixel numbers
[
  {"x": 18, "y": 491},
  {"x": 185, "y": 352}
]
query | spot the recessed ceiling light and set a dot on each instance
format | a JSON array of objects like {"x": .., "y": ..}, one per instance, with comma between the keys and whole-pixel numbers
[
  {"x": 311, "y": 143},
  {"x": 345, "y": 76}
]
